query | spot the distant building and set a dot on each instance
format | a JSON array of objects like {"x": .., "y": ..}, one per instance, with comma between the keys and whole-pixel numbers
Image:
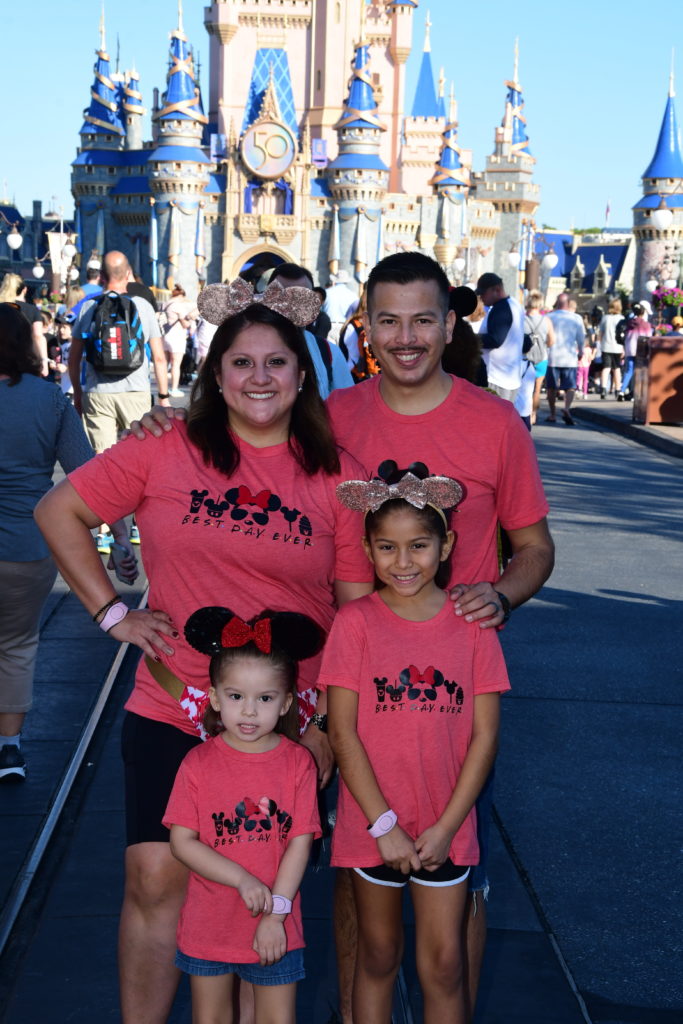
[{"x": 34, "y": 249}]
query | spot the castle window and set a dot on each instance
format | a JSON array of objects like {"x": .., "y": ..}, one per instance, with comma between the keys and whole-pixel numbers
[
  {"x": 112, "y": 170},
  {"x": 318, "y": 79}
]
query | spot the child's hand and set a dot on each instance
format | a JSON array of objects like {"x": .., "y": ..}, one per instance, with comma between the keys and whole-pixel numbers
[
  {"x": 257, "y": 896},
  {"x": 270, "y": 940},
  {"x": 398, "y": 851},
  {"x": 433, "y": 846}
]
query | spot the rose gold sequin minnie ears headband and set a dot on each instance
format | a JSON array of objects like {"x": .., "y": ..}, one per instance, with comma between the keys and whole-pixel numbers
[
  {"x": 214, "y": 629},
  {"x": 368, "y": 495},
  {"x": 217, "y": 302}
]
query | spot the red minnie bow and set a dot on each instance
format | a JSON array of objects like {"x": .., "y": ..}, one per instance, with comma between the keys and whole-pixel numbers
[
  {"x": 245, "y": 497},
  {"x": 237, "y": 633}
]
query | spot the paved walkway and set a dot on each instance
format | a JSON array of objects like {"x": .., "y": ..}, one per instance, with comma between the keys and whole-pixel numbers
[{"x": 618, "y": 417}]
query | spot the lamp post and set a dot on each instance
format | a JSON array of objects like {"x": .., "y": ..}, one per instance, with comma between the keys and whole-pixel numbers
[
  {"x": 522, "y": 256},
  {"x": 14, "y": 237}
]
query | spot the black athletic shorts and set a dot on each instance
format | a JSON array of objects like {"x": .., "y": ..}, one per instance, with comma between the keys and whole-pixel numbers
[
  {"x": 447, "y": 874},
  {"x": 152, "y": 752}
]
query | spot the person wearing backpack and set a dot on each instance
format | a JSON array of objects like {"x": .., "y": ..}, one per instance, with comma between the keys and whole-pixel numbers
[
  {"x": 539, "y": 336},
  {"x": 612, "y": 334},
  {"x": 110, "y": 343}
]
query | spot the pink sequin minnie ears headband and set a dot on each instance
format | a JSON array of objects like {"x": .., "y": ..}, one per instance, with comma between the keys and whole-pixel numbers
[
  {"x": 214, "y": 629},
  {"x": 440, "y": 492},
  {"x": 217, "y": 302}
]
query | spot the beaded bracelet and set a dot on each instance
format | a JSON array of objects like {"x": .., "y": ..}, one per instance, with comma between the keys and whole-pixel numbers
[{"x": 96, "y": 616}]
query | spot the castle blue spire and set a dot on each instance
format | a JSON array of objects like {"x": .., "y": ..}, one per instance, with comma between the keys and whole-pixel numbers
[
  {"x": 360, "y": 109},
  {"x": 667, "y": 161},
  {"x": 103, "y": 116},
  {"x": 182, "y": 100},
  {"x": 450, "y": 173},
  {"x": 426, "y": 102},
  {"x": 132, "y": 97},
  {"x": 514, "y": 118}
]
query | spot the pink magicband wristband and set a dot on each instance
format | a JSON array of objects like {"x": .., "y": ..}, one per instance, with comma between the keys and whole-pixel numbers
[
  {"x": 281, "y": 905},
  {"x": 114, "y": 615},
  {"x": 384, "y": 824}
]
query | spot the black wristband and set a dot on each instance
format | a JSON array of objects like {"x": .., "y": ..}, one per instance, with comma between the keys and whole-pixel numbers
[{"x": 505, "y": 605}]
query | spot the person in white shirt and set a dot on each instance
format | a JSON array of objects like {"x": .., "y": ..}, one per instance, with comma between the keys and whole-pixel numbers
[
  {"x": 502, "y": 337},
  {"x": 563, "y": 357}
]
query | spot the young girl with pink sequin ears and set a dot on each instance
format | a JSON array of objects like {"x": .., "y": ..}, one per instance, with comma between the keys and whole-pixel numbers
[
  {"x": 243, "y": 814},
  {"x": 413, "y": 705}
]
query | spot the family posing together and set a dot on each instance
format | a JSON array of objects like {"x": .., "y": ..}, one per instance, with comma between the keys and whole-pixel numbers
[{"x": 365, "y": 634}]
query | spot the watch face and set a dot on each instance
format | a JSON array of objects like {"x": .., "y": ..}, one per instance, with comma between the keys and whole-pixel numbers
[{"x": 268, "y": 149}]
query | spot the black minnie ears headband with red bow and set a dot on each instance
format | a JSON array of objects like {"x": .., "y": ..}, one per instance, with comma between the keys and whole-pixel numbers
[
  {"x": 413, "y": 485},
  {"x": 212, "y": 629}
]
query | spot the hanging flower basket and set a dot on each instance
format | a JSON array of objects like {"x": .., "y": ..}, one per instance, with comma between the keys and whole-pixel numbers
[{"x": 668, "y": 296}]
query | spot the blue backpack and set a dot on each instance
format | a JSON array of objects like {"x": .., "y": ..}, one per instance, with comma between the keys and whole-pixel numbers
[{"x": 114, "y": 343}]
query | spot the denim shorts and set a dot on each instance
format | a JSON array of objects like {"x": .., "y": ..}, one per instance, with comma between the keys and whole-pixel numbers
[
  {"x": 561, "y": 378},
  {"x": 284, "y": 972}
]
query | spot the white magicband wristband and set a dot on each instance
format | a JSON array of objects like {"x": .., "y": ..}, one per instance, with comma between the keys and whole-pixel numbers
[
  {"x": 114, "y": 615},
  {"x": 281, "y": 905},
  {"x": 384, "y": 824}
]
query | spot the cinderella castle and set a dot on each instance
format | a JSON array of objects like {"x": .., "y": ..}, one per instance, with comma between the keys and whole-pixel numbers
[{"x": 305, "y": 152}]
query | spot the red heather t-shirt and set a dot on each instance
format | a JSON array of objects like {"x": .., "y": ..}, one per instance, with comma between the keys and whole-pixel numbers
[
  {"x": 247, "y": 807},
  {"x": 416, "y": 683},
  {"x": 474, "y": 437},
  {"x": 270, "y": 536}
]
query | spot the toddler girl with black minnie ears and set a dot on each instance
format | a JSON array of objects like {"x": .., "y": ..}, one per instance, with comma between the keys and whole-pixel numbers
[
  {"x": 413, "y": 708},
  {"x": 243, "y": 815}
]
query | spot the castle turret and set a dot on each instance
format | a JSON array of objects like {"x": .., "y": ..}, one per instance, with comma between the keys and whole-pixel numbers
[
  {"x": 659, "y": 235},
  {"x": 102, "y": 127},
  {"x": 133, "y": 110},
  {"x": 400, "y": 46},
  {"x": 451, "y": 182},
  {"x": 358, "y": 177},
  {"x": 178, "y": 167},
  {"x": 507, "y": 184},
  {"x": 422, "y": 131},
  {"x": 96, "y": 168}
]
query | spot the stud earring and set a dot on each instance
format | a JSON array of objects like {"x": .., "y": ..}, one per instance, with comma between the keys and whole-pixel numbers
[{"x": 301, "y": 387}]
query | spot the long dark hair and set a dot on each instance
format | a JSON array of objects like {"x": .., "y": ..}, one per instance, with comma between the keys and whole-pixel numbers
[
  {"x": 16, "y": 344},
  {"x": 311, "y": 440}
]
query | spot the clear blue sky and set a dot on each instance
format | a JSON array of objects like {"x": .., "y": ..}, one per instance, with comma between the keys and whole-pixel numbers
[{"x": 595, "y": 82}]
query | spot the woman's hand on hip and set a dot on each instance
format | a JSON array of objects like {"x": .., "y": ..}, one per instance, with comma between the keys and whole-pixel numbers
[
  {"x": 148, "y": 630},
  {"x": 319, "y": 745}
]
